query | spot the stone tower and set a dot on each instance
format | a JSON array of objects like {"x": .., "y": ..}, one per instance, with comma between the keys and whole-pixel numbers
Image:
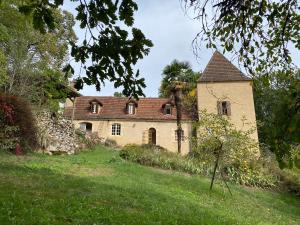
[{"x": 225, "y": 90}]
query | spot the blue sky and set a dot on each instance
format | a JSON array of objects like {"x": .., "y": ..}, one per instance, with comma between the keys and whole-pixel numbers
[{"x": 165, "y": 23}]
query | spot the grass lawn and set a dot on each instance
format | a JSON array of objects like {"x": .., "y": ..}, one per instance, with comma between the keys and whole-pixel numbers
[{"x": 97, "y": 187}]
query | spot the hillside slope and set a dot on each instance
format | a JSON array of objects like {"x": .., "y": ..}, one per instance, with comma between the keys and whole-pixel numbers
[{"x": 97, "y": 187}]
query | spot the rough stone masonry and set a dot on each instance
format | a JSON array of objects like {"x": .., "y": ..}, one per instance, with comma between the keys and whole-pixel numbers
[{"x": 56, "y": 135}]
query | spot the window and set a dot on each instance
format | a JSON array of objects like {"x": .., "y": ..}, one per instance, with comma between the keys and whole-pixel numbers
[
  {"x": 224, "y": 108},
  {"x": 168, "y": 109},
  {"x": 152, "y": 136},
  {"x": 131, "y": 108},
  {"x": 87, "y": 127},
  {"x": 83, "y": 126},
  {"x": 116, "y": 129},
  {"x": 95, "y": 107},
  {"x": 182, "y": 135}
]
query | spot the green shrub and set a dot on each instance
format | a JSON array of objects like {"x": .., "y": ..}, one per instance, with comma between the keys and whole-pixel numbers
[
  {"x": 251, "y": 177},
  {"x": 261, "y": 172},
  {"x": 110, "y": 143},
  {"x": 157, "y": 156},
  {"x": 9, "y": 137}
]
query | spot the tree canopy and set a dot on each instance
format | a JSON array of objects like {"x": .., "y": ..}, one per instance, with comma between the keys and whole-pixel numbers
[
  {"x": 31, "y": 63},
  {"x": 260, "y": 32},
  {"x": 113, "y": 50},
  {"x": 278, "y": 110},
  {"x": 178, "y": 72}
]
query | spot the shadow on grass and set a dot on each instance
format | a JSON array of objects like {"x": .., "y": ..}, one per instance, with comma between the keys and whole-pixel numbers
[
  {"x": 40, "y": 196},
  {"x": 31, "y": 195}
]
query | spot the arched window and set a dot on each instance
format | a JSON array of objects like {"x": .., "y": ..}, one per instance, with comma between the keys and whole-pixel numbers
[
  {"x": 116, "y": 129},
  {"x": 87, "y": 127}
]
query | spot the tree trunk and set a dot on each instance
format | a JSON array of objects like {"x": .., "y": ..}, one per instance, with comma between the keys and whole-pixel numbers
[
  {"x": 178, "y": 117},
  {"x": 215, "y": 168},
  {"x": 73, "y": 108}
]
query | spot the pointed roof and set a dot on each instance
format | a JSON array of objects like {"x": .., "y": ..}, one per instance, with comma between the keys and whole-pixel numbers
[{"x": 221, "y": 69}]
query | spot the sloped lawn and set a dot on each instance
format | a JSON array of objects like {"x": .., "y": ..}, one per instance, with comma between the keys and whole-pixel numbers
[{"x": 98, "y": 187}]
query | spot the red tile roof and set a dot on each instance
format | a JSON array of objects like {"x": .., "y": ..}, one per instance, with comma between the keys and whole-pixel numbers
[
  {"x": 115, "y": 108},
  {"x": 221, "y": 69}
]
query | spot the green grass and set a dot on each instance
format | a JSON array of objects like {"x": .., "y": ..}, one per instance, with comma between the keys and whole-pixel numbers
[{"x": 98, "y": 187}]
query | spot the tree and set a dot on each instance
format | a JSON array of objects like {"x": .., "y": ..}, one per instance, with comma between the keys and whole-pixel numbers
[
  {"x": 260, "y": 32},
  {"x": 3, "y": 72},
  {"x": 113, "y": 50},
  {"x": 118, "y": 94},
  {"x": 181, "y": 73},
  {"x": 33, "y": 60},
  {"x": 278, "y": 110},
  {"x": 218, "y": 142},
  {"x": 179, "y": 81}
]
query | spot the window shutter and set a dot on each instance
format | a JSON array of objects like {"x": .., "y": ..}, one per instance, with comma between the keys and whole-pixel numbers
[
  {"x": 228, "y": 105},
  {"x": 219, "y": 107}
]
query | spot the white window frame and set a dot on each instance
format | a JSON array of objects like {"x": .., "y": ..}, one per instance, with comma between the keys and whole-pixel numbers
[
  {"x": 116, "y": 129},
  {"x": 131, "y": 108}
]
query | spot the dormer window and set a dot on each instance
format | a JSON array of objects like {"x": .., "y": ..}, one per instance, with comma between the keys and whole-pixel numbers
[
  {"x": 131, "y": 108},
  {"x": 168, "y": 109},
  {"x": 95, "y": 107}
]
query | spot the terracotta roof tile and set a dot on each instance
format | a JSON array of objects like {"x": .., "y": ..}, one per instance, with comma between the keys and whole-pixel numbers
[
  {"x": 115, "y": 108},
  {"x": 221, "y": 69}
]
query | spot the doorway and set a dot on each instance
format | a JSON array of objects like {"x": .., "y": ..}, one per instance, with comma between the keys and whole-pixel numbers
[{"x": 152, "y": 136}]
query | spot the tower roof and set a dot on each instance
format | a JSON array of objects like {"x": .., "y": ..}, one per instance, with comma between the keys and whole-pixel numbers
[{"x": 221, "y": 69}]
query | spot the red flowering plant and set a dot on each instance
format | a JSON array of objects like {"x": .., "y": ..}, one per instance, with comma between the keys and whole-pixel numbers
[
  {"x": 6, "y": 113},
  {"x": 17, "y": 124},
  {"x": 9, "y": 133}
]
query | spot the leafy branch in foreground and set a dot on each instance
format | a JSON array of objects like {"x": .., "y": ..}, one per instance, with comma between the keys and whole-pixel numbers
[
  {"x": 113, "y": 51},
  {"x": 260, "y": 32}
]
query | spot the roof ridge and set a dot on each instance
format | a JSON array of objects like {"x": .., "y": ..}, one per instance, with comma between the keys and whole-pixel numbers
[{"x": 145, "y": 98}]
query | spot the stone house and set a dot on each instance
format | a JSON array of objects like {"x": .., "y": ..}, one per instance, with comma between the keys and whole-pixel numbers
[{"x": 222, "y": 89}]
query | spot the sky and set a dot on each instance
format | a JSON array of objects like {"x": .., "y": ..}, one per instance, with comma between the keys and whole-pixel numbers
[
  {"x": 163, "y": 22},
  {"x": 166, "y": 24}
]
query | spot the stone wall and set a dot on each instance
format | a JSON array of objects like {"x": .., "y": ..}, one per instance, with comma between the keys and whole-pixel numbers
[{"x": 56, "y": 134}]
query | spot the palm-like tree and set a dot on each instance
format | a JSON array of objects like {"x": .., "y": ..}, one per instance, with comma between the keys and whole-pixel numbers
[{"x": 176, "y": 76}]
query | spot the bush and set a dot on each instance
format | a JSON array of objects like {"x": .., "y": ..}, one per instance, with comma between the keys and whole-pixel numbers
[
  {"x": 259, "y": 173},
  {"x": 156, "y": 156},
  {"x": 17, "y": 124},
  {"x": 110, "y": 143}
]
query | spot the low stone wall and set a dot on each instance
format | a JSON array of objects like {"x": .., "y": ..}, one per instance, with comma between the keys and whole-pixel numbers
[{"x": 56, "y": 134}]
